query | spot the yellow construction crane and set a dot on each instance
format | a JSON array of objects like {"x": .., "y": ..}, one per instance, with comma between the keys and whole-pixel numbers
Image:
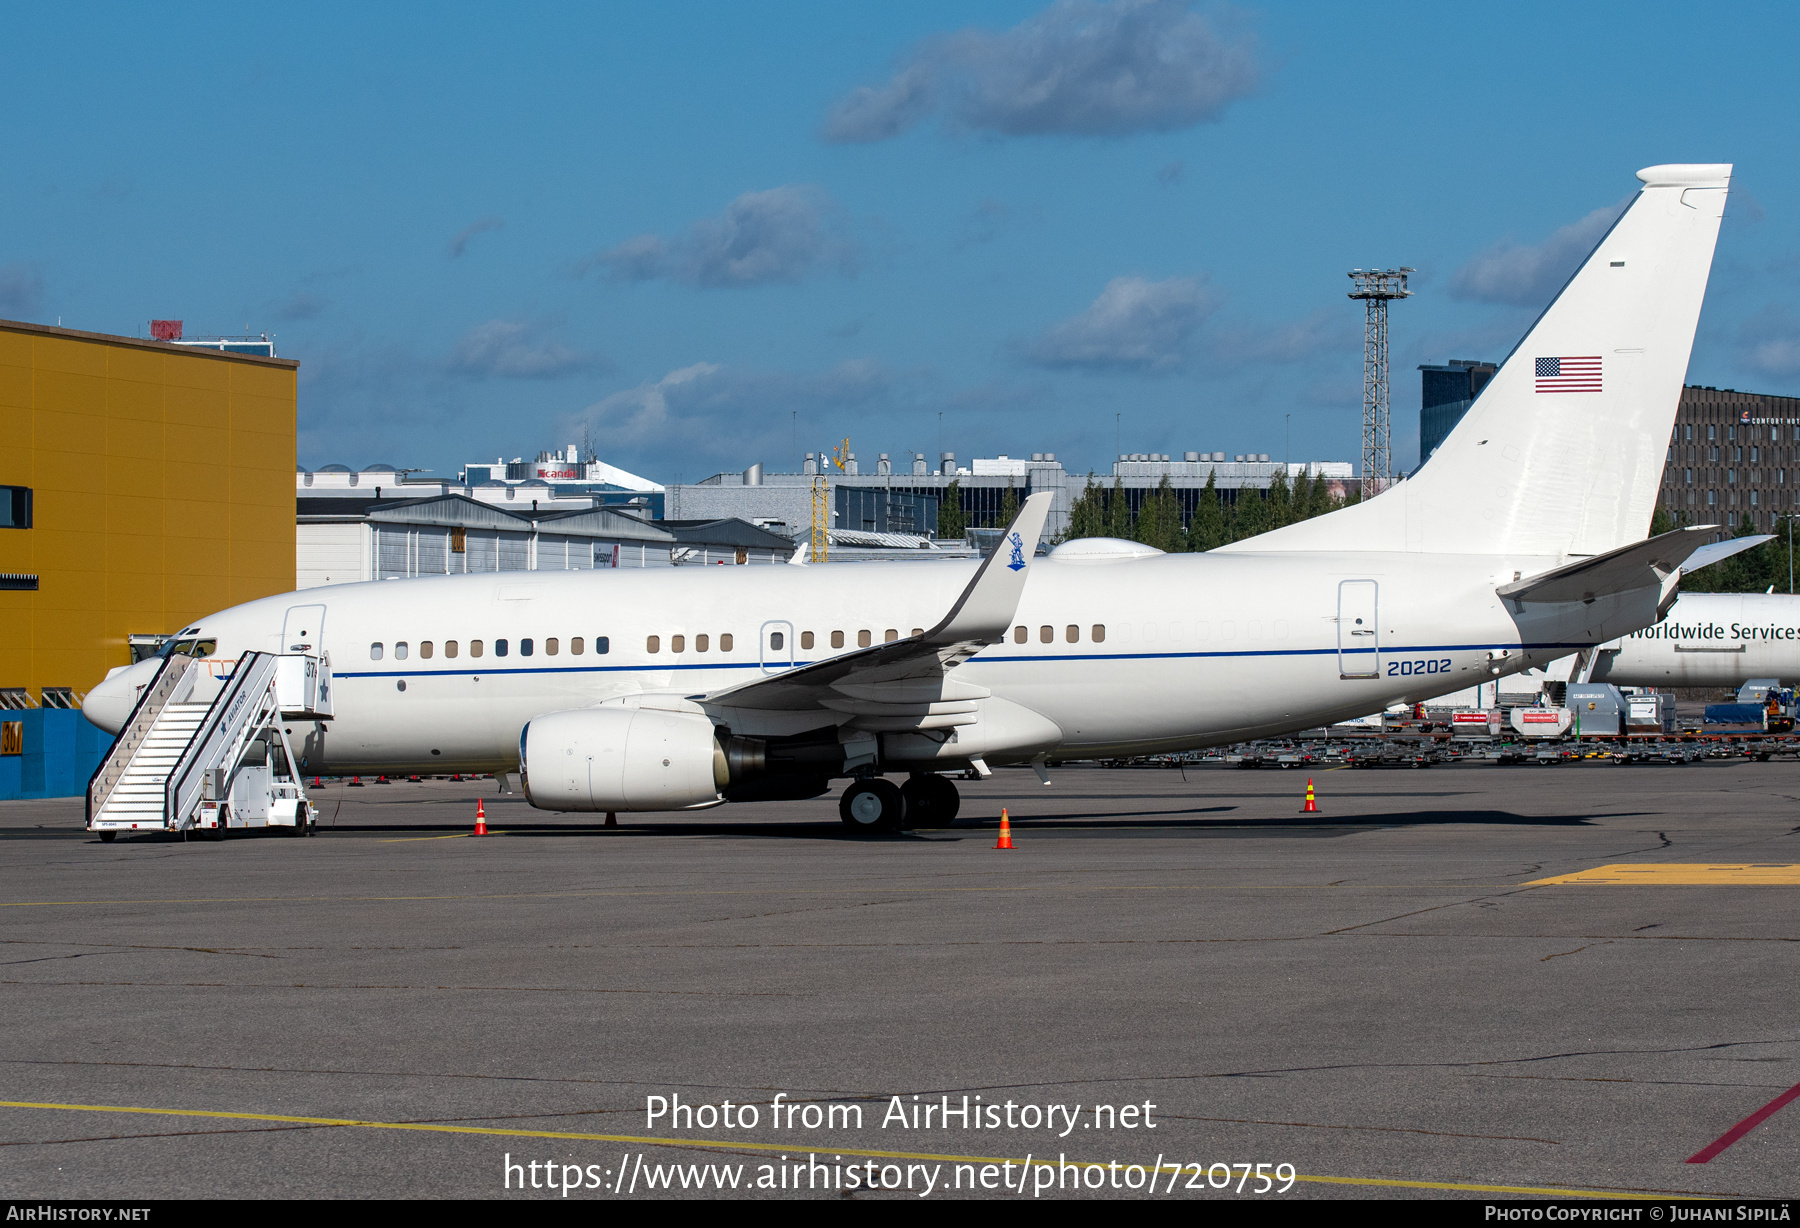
[{"x": 821, "y": 504}]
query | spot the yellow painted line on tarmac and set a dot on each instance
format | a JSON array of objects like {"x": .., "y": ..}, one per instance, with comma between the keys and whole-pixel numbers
[
  {"x": 782, "y": 1148},
  {"x": 1679, "y": 874}
]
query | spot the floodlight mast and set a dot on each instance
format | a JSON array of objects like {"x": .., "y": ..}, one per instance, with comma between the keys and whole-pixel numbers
[{"x": 1376, "y": 287}]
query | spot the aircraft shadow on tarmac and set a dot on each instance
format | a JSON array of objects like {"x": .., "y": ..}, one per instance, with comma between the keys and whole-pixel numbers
[
  {"x": 1187, "y": 821},
  {"x": 1183, "y": 822}
]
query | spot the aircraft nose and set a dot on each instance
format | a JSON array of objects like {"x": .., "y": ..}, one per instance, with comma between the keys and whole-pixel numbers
[{"x": 109, "y": 705}]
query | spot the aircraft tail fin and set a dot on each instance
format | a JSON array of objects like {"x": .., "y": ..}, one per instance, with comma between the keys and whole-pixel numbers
[{"x": 1563, "y": 451}]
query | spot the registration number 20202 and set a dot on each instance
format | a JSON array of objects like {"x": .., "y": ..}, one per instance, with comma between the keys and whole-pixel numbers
[{"x": 1405, "y": 669}]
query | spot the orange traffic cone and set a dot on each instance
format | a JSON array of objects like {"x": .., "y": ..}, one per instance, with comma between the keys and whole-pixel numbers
[
  {"x": 1311, "y": 807},
  {"x": 1005, "y": 841},
  {"x": 480, "y": 818}
]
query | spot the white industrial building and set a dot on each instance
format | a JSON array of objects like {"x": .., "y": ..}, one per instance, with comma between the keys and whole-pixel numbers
[{"x": 339, "y": 540}]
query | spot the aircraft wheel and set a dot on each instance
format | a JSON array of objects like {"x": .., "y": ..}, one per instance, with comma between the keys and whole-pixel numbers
[
  {"x": 931, "y": 801},
  {"x": 107, "y": 837},
  {"x": 871, "y": 806}
]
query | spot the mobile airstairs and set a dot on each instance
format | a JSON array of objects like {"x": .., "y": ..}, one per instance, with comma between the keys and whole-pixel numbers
[{"x": 204, "y": 750}]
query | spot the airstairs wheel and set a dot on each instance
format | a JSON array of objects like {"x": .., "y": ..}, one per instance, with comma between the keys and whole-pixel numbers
[
  {"x": 871, "y": 806},
  {"x": 931, "y": 801},
  {"x": 107, "y": 837}
]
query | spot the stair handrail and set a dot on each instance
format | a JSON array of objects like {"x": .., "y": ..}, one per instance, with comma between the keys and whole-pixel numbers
[
  {"x": 118, "y": 758},
  {"x": 238, "y": 703}
]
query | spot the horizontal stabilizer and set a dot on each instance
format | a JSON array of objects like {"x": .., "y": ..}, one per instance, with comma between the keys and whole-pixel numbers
[
  {"x": 1718, "y": 552},
  {"x": 1644, "y": 564}
]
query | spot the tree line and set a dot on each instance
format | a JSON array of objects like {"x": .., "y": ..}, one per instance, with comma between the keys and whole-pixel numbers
[{"x": 1103, "y": 511}]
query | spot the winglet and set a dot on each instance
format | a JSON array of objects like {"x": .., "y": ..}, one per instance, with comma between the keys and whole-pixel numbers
[
  {"x": 986, "y": 608},
  {"x": 1718, "y": 552}
]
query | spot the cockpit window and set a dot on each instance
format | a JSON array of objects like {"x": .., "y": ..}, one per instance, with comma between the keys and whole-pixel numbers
[{"x": 190, "y": 648}]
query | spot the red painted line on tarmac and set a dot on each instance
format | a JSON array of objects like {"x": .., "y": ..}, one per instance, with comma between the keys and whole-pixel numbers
[{"x": 1745, "y": 1126}]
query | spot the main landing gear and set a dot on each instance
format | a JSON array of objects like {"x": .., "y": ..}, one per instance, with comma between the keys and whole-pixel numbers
[{"x": 874, "y": 805}]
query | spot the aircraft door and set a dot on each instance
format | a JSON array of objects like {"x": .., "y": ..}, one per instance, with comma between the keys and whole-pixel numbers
[
  {"x": 304, "y": 629},
  {"x": 777, "y": 646},
  {"x": 1359, "y": 637}
]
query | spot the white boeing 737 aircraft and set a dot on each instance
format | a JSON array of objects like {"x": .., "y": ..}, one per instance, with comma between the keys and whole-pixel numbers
[{"x": 1522, "y": 539}]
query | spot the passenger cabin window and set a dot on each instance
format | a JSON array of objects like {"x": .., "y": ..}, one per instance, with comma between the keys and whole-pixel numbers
[
  {"x": 375, "y": 652},
  {"x": 725, "y": 642},
  {"x": 777, "y": 641},
  {"x": 525, "y": 648},
  {"x": 1074, "y": 634},
  {"x": 806, "y": 639},
  {"x": 474, "y": 648},
  {"x": 837, "y": 639},
  {"x": 1047, "y": 634},
  {"x": 425, "y": 650},
  {"x": 702, "y": 642},
  {"x": 575, "y": 645},
  {"x": 918, "y": 631},
  {"x": 653, "y": 644},
  {"x": 1020, "y": 635},
  {"x": 862, "y": 639},
  {"x": 1099, "y": 633},
  {"x": 550, "y": 647},
  {"x": 400, "y": 651},
  {"x": 603, "y": 645},
  {"x": 890, "y": 635},
  {"x": 678, "y": 643},
  {"x": 499, "y": 648},
  {"x": 449, "y": 648}
]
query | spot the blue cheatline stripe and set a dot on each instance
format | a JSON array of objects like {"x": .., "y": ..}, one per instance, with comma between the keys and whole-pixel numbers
[{"x": 657, "y": 667}]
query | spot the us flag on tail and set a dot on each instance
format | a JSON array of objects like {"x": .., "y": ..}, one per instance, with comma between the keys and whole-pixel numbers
[{"x": 1568, "y": 374}]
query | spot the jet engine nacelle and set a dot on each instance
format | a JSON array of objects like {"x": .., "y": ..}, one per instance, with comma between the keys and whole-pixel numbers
[{"x": 621, "y": 759}]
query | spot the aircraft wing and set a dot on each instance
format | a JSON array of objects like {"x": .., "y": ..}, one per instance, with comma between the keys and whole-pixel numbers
[
  {"x": 910, "y": 672},
  {"x": 1645, "y": 564}
]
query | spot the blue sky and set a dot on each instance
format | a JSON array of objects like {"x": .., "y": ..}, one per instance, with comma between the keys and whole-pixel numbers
[{"x": 692, "y": 231}]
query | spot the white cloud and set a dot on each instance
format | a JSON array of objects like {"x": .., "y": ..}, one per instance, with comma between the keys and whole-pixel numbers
[
  {"x": 778, "y": 235},
  {"x": 1527, "y": 275},
  {"x": 506, "y": 349},
  {"x": 1770, "y": 342},
  {"x": 710, "y": 414},
  {"x": 1135, "y": 324},
  {"x": 21, "y": 289},
  {"x": 1077, "y": 68}
]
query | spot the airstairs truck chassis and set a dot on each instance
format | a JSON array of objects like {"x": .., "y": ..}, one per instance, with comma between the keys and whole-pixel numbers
[{"x": 204, "y": 750}]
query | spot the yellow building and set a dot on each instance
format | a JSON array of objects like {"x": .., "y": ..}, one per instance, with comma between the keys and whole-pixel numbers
[{"x": 157, "y": 484}]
